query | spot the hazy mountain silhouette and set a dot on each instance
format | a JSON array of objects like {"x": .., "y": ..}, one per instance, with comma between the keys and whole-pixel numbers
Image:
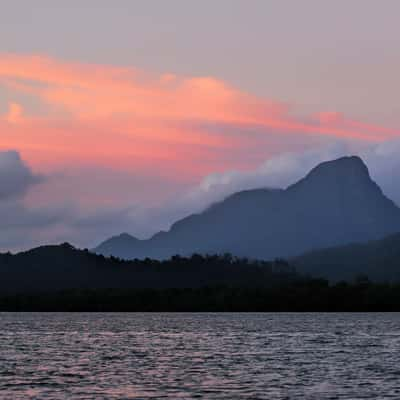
[
  {"x": 379, "y": 260},
  {"x": 336, "y": 203}
]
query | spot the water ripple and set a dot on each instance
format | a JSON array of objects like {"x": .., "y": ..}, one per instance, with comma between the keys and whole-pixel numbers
[{"x": 192, "y": 356}]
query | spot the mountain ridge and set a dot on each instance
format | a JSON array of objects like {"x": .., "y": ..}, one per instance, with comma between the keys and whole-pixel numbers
[
  {"x": 336, "y": 203},
  {"x": 379, "y": 260}
]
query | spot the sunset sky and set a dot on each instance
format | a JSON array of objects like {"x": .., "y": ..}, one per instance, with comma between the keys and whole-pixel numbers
[{"x": 124, "y": 116}]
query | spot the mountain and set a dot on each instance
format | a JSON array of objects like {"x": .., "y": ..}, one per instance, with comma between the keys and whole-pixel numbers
[
  {"x": 63, "y": 267},
  {"x": 118, "y": 245},
  {"x": 379, "y": 260},
  {"x": 335, "y": 204}
]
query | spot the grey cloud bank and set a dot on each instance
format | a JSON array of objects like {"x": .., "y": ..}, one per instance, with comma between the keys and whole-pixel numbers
[{"x": 16, "y": 178}]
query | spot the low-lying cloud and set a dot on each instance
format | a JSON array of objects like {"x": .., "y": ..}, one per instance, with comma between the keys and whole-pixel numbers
[{"x": 382, "y": 159}]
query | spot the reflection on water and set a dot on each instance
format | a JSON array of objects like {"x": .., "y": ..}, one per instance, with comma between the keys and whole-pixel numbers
[{"x": 211, "y": 356}]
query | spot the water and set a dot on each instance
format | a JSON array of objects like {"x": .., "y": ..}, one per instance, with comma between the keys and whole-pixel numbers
[{"x": 210, "y": 356}]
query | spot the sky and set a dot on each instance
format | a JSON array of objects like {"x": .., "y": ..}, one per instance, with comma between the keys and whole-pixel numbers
[{"x": 124, "y": 116}]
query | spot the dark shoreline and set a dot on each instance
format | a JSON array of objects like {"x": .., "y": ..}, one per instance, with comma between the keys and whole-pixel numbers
[{"x": 306, "y": 296}]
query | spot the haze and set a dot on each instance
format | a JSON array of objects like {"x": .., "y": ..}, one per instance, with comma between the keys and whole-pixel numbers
[{"x": 125, "y": 118}]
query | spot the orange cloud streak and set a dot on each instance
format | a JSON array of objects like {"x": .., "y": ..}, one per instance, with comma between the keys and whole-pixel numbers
[{"x": 123, "y": 116}]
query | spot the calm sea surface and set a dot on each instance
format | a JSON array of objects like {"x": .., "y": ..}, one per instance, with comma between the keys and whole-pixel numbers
[{"x": 210, "y": 356}]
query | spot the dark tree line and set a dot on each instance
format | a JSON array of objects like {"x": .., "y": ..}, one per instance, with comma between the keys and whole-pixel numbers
[
  {"x": 62, "y": 278},
  {"x": 55, "y": 268},
  {"x": 302, "y": 295}
]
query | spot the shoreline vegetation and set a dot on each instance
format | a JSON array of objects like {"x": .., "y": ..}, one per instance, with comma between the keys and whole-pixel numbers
[
  {"x": 313, "y": 295},
  {"x": 63, "y": 278}
]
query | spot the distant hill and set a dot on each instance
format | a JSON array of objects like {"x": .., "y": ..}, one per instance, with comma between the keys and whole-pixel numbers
[
  {"x": 379, "y": 260},
  {"x": 62, "y": 278},
  {"x": 335, "y": 204},
  {"x": 55, "y": 268}
]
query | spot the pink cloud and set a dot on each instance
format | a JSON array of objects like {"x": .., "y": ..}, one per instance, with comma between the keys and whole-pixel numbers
[
  {"x": 129, "y": 119},
  {"x": 14, "y": 113}
]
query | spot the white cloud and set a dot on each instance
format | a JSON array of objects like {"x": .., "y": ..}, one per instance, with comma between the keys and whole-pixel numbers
[{"x": 383, "y": 161}]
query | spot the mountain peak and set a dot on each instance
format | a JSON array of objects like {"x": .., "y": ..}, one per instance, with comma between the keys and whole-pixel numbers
[
  {"x": 345, "y": 165},
  {"x": 345, "y": 172},
  {"x": 126, "y": 236},
  {"x": 118, "y": 242},
  {"x": 336, "y": 203}
]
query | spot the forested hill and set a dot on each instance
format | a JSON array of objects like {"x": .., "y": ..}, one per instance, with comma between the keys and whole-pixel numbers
[
  {"x": 379, "y": 260},
  {"x": 63, "y": 267},
  {"x": 54, "y": 268},
  {"x": 63, "y": 278}
]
